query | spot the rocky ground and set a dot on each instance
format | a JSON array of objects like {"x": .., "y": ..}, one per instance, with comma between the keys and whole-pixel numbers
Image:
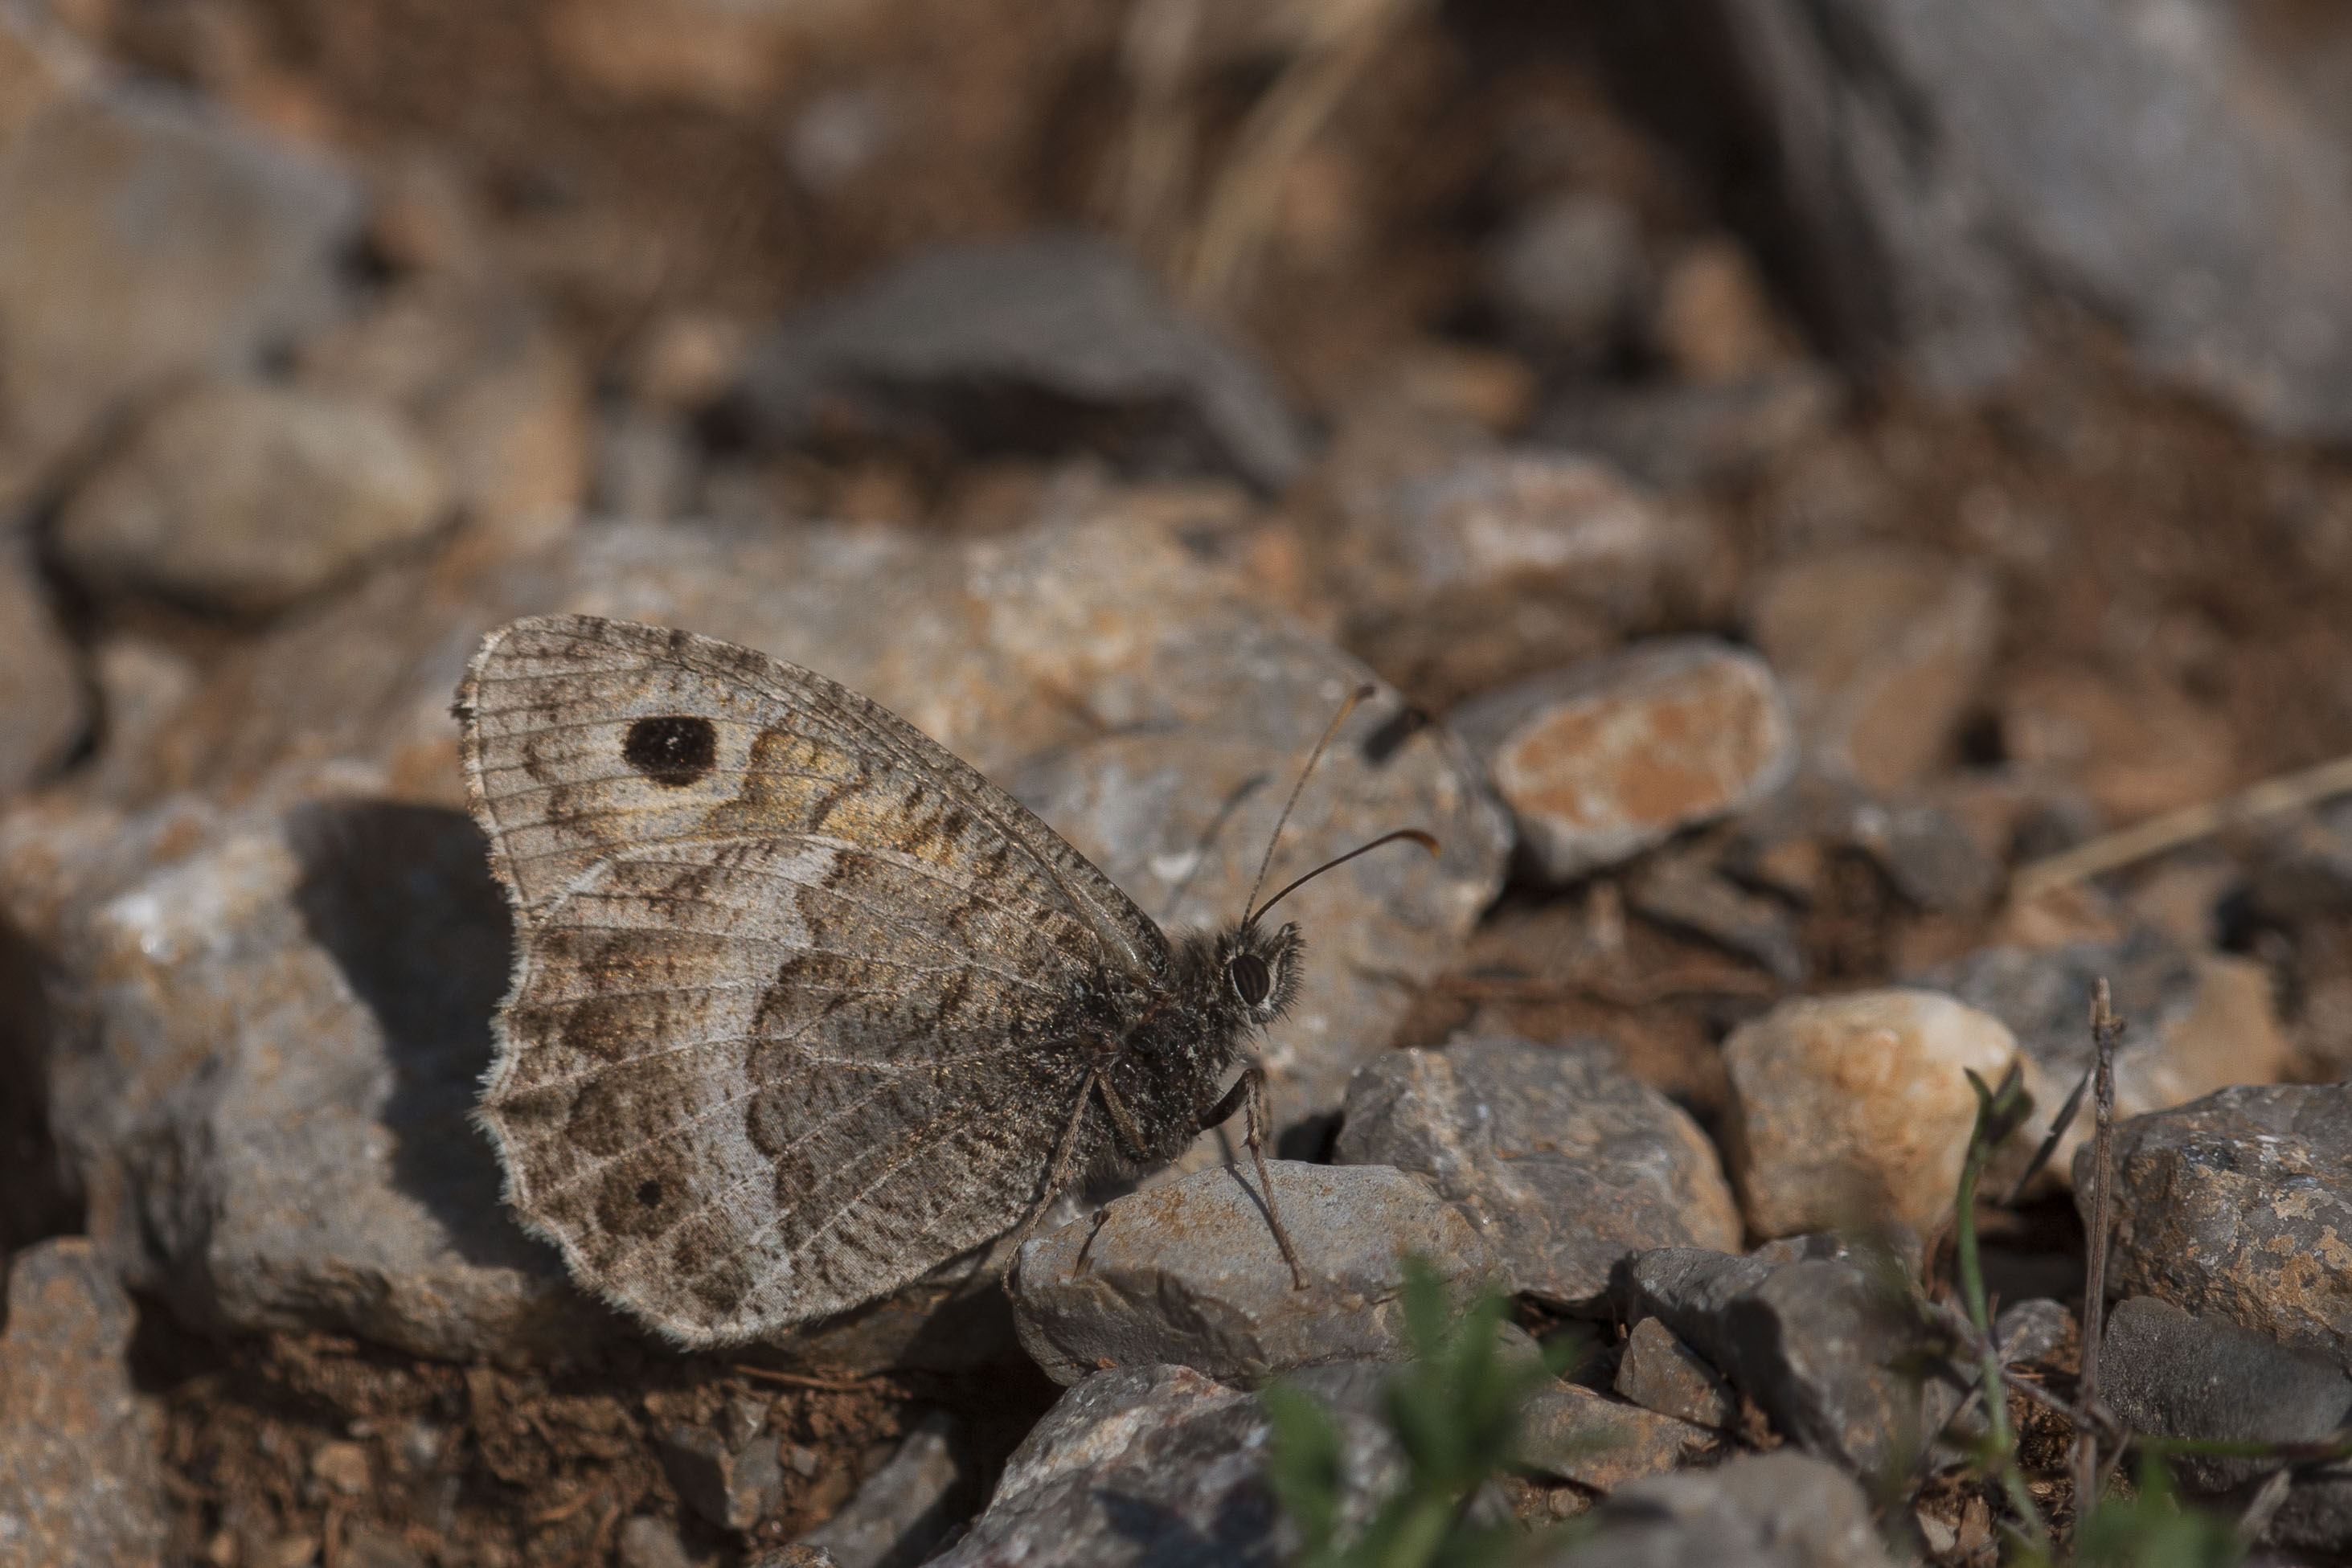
[{"x": 1804, "y": 478}]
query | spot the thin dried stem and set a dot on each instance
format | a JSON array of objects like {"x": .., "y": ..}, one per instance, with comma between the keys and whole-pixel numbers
[
  {"x": 1243, "y": 204},
  {"x": 2112, "y": 852},
  {"x": 2105, "y": 1030}
]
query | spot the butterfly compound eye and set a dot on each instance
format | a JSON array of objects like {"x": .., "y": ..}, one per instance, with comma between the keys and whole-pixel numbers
[{"x": 1253, "y": 981}]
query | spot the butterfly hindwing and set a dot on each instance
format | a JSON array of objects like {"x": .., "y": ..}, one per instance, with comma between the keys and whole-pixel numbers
[{"x": 797, "y": 992}]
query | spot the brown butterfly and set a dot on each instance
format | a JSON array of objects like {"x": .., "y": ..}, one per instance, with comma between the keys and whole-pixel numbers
[{"x": 803, "y": 1005}]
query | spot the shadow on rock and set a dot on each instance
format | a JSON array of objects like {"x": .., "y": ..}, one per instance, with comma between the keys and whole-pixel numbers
[{"x": 402, "y": 898}]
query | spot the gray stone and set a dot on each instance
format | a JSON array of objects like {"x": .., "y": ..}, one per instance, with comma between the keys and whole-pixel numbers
[
  {"x": 903, "y": 1509},
  {"x": 1162, "y": 1465},
  {"x": 1659, "y": 1372},
  {"x": 1564, "y": 1162},
  {"x": 1683, "y": 436},
  {"x": 1880, "y": 649},
  {"x": 732, "y": 1488},
  {"x": 1816, "y": 1345},
  {"x": 2031, "y": 1329},
  {"x": 1578, "y": 1435},
  {"x": 1188, "y": 1272},
  {"x": 650, "y": 1542},
  {"x": 2175, "y": 1375},
  {"x": 1761, "y": 1510},
  {"x": 2193, "y": 1021},
  {"x": 490, "y": 386},
  {"x": 1063, "y": 316},
  {"x": 1686, "y": 891},
  {"x": 1461, "y": 565},
  {"x": 80, "y": 1468},
  {"x": 2239, "y": 1207},
  {"x": 146, "y": 237},
  {"x": 1856, "y": 1110},
  {"x": 1614, "y": 755},
  {"x": 1939, "y": 164},
  {"x": 273, "y": 948},
  {"x": 1565, "y": 271},
  {"x": 245, "y": 496},
  {"x": 44, "y": 698}
]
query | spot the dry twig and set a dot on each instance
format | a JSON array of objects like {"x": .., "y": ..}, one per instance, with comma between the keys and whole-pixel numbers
[
  {"x": 2112, "y": 852},
  {"x": 2105, "y": 1030}
]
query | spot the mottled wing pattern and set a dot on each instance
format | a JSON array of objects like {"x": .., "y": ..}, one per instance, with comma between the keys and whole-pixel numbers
[{"x": 794, "y": 987}]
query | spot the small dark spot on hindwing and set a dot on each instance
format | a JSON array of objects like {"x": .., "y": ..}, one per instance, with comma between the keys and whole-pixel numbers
[{"x": 673, "y": 749}]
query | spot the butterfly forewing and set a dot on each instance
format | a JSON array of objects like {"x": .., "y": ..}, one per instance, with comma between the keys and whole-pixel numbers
[{"x": 795, "y": 987}]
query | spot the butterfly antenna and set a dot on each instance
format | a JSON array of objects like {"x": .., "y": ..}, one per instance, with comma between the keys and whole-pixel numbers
[
  {"x": 1273, "y": 840},
  {"x": 1426, "y": 841}
]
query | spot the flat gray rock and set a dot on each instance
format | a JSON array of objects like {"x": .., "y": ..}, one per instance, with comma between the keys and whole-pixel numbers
[
  {"x": 2193, "y": 1021},
  {"x": 81, "y": 1481},
  {"x": 2167, "y": 1373},
  {"x": 1816, "y": 1345},
  {"x": 1068, "y": 317},
  {"x": 2239, "y": 1207},
  {"x": 1565, "y": 1163},
  {"x": 1659, "y": 1372},
  {"x": 1160, "y": 1465},
  {"x": 243, "y": 496},
  {"x": 273, "y": 947},
  {"x": 147, "y": 236},
  {"x": 1578, "y": 1435},
  {"x": 1761, "y": 1510},
  {"x": 903, "y": 1509},
  {"x": 1940, "y": 165},
  {"x": 1188, "y": 1272}
]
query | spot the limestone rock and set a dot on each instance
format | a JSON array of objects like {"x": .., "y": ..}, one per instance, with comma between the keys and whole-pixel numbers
[
  {"x": 2194, "y": 1021},
  {"x": 1760, "y": 1511},
  {"x": 1659, "y": 1372},
  {"x": 144, "y": 238},
  {"x": 1855, "y": 1109},
  {"x": 2239, "y": 1207},
  {"x": 1188, "y": 1272},
  {"x": 1059, "y": 315},
  {"x": 901, "y": 1511},
  {"x": 1564, "y": 1162},
  {"x": 1880, "y": 648},
  {"x": 245, "y": 496},
  {"x": 1463, "y": 565},
  {"x": 1606, "y": 758},
  {"x": 81, "y": 1481},
  {"x": 1822, "y": 1347},
  {"x": 2176, "y": 1375},
  {"x": 1573, "y": 1433},
  {"x": 1160, "y": 1464},
  {"x": 1937, "y": 167}
]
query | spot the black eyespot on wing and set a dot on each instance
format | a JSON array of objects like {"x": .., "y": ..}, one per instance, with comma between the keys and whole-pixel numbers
[
  {"x": 649, "y": 1193},
  {"x": 1253, "y": 981},
  {"x": 673, "y": 749}
]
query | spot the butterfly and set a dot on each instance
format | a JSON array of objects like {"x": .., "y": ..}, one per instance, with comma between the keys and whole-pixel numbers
[{"x": 803, "y": 1005}]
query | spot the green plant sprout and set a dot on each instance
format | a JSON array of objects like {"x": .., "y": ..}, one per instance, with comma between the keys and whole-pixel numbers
[{"x": 1456, "y": 1412}]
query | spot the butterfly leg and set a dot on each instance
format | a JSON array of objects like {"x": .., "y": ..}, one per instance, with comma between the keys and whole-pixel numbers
[
  {"x": 1123, "y": 1120},
  {"x": 1249, "y": 1091},
  {"x": 1057, "y": 1176}
]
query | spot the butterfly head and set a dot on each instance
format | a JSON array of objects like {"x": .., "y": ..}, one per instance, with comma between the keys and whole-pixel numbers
[{"x": 1260, "y": 966}]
